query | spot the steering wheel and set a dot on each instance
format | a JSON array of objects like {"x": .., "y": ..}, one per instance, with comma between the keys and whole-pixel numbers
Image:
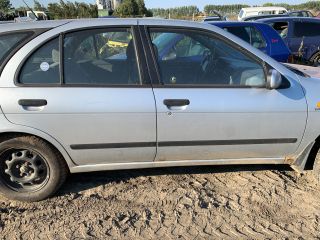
[{"x": 207, "y": 63}]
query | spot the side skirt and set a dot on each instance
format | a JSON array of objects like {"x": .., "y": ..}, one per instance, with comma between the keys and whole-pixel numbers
[{"x": 138, "y": 165}]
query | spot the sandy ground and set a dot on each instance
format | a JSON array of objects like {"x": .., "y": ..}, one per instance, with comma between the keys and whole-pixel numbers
[{"x": 173, "y": 203}]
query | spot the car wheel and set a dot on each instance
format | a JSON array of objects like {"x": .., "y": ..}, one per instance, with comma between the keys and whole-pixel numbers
[
  {"x": 315, "y": 59},
  {"x": 316, "y": 167},
  {"x": 30, "y": 169}
]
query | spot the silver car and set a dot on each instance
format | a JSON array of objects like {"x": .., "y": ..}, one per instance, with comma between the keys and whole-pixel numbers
[{"x": 94, "y": 95}]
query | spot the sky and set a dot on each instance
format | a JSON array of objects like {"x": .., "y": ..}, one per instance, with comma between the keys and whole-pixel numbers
[{"x": 174, "y": 3}]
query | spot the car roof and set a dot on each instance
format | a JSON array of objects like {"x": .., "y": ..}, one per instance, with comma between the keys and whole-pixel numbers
[
  {"x": 266, "y": 16},
  {"x": 263, "y": 8},
  {"x": 294, "y": 11},
  {"x": 8, "y": 27},
  {"x": 96, "y": 21},
  {"x": 288, "y": 19},
  {"x": 234, "y": 23}
]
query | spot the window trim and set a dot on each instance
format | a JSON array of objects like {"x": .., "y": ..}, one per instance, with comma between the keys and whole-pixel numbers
[
  {"x": 160, "y": 84},
  {"x": 144, "y": 79}
]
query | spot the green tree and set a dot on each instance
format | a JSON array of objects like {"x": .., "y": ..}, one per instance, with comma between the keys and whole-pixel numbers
[
  {"x": 142, "y": 10},
  {"x": 128, "y": 8},
  {"x": 68, "y": 10},
  {"x": 38, "y": 7},
  {"x": 5, "y": 6}
]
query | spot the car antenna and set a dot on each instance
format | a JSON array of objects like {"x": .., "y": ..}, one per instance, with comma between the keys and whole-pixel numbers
[{"x": 30, "y": 9}]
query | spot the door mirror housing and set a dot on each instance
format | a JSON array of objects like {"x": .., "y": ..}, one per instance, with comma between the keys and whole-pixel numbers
[{"x": 274, "y": 79}]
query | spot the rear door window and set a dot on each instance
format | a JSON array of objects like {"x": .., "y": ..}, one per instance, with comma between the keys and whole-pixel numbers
[
  {"x": 99, "y": 56},
  {"x": 306, "y": 29},
  {"x": 43, "y": 66}
]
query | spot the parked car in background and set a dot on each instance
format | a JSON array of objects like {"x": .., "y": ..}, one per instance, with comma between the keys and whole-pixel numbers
[
  {"x": 259, "y": 35},
  {"x": 254, "y": 18},
  {"x": 303, "y": 70},
  {"x": 67, "y": 106},
  {"x": 301, "y": 35},
  {"x": 254, "y": 11},
  {"x": 301, "y": 13}
]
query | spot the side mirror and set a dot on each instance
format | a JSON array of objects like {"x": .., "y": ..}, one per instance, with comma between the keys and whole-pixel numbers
[{"x": 274, "y": 79}]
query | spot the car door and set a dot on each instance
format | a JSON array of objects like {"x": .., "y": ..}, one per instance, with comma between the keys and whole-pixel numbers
[
  {"x": 305, "y": 41},
  {"x": 225, "y": 112},
  {"x": 90, "y": 94}
]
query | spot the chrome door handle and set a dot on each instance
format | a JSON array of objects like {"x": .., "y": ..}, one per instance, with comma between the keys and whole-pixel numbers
[
  {"x": 32, "y": 102},
  {"x": 176, "y": 104}
]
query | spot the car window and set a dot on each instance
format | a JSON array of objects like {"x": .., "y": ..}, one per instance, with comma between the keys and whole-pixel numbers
[
  {"x": 218, "y": 63},
  {"x": 240, "y": 32},
  {"x": 281, "y": 28},
  {"x": 43, "y": 66},
  {"x": 100, "y": 57},
  {"x": 306, "y": 29},
  {"x": 241, "y": 13},
  {"x": 249, "y": 34},
  {"x": 257, "y": 40},
  {"x": 174, "y": 45},
  {"x": 9, "y": 41}
]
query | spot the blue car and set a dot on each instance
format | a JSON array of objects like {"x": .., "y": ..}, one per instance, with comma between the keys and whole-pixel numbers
[
  {"x": 259, "y": 35},
  {"x": 302, "y": 36}
]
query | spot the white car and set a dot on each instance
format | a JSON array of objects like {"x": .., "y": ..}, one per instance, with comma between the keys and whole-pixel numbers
[{"x": 254, "y": 11}]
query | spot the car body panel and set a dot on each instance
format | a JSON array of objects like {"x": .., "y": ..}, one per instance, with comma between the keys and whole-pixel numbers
[
  {"x": 91, "y": 116},
  {"x": 313, "y": 72},
  {"x": 227, "y": 114},
  {"x": 7, "y": 127},
  {"x": 132, "y": 110}
]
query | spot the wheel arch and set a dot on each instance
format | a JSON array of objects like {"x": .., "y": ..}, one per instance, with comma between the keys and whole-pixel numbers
[
  {"x": 4, "y": 135},
  {"x": 312, "y": 154},
  {"x": 305, "y": 160}
]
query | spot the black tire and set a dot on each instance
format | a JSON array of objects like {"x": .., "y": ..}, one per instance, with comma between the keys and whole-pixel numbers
[
  {"x": 316, "y": 167},
  {"x": 30, "y": 169},
  {"x": 315, "y": 59}
]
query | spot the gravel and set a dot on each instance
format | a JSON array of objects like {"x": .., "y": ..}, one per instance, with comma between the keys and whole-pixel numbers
[{"x": 237, "y": 202}]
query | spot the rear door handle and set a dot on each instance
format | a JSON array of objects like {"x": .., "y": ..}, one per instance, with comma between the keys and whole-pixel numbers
[
  {"x": 32, "y": 102},
  {"x": 176, "y": 102}
]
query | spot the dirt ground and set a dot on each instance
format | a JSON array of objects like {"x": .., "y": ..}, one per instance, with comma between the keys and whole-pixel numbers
[{"x": 173, "y": 203}]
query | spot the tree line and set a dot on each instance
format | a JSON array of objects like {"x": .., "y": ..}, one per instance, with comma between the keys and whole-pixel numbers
[
  {"x": 68, "y": 10},
  {"x": 311, "y": 5},
  {"x": 65, "y": 9},
  {"x": 178, "y": 12}
]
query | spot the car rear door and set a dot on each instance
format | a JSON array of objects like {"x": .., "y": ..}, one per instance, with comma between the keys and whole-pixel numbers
[
  {"x": 305, "y": 41},
  {"x": 225, "y": 112},
  {"x": 91, "y": 95}
]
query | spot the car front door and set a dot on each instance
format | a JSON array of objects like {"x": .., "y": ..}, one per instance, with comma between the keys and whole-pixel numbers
[
  {"x": 94, "y": 98},
  {"x": 225, "y": 111}
]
